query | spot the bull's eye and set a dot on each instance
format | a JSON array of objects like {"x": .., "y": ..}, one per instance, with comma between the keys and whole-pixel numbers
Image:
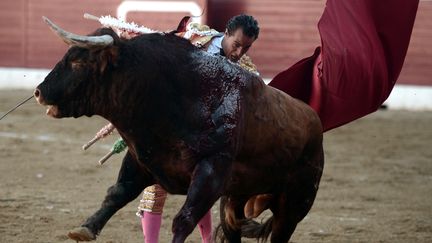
[{"x": 76, "y": 65}]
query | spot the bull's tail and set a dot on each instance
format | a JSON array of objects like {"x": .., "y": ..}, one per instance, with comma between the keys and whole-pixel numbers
[
  {"x": 250, "y": 229},
  {"x": 261, "y": 231}
]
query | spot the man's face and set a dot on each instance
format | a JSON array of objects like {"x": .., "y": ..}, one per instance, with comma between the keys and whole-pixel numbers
[{"x": 236, "y": 44}]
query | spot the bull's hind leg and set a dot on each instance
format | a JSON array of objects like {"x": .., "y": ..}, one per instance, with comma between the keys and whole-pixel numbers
[
  {"x": 130, "y": 183},
  {"x": 294, "y": 204},
  {"x": 232, "y": 217},
  {"x": 291, "y": 209},
  {"x": 284, "y": 221}
]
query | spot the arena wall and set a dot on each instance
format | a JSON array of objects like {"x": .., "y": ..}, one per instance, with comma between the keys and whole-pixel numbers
[{"x": 288, "y": 33}]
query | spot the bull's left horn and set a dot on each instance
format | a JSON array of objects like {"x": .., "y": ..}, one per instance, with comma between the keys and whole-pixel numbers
[{"x": 80, "y": 40}]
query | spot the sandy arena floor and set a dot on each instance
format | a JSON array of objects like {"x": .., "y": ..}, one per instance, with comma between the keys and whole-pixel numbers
[{"x": 376, "y": 187}]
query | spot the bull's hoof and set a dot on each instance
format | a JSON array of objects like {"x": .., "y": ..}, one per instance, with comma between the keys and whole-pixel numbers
[{"x": 81, "y": 234}]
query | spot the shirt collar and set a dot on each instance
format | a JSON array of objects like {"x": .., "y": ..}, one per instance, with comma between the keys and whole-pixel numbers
[
  {"x": 215, "y": 45},
  {"x": 218, "y": 41}
]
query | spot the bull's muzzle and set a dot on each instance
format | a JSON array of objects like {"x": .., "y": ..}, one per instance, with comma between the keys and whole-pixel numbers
[{"x": 52, "y": 110}]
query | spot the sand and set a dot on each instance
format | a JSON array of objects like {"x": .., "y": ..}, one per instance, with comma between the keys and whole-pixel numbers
[{"x": 376, "y": 186}]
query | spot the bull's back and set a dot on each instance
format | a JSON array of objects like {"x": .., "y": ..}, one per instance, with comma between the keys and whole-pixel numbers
[
  {"x": 273, "y": 118},
  {"x": 275, "y": 131}
]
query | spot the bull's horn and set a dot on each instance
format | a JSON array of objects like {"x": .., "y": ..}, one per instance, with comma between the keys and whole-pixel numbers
[{"x": 80, "y": 40}]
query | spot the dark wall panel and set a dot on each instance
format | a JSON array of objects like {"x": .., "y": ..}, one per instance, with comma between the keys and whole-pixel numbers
[
  {"x": 26, "y": 41},
  {"x": 12, "y": 33},
  {"x": 288, "y": 31},
  {"x": 417, "y": 68}
]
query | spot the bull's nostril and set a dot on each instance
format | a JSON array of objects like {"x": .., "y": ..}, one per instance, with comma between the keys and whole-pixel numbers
[
  {"x": 38, "y": 96},
  {"x": 36, "y": 93}
]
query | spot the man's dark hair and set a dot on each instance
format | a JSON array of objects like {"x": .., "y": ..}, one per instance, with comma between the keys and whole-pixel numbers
[{"x": 246, "y": 22}]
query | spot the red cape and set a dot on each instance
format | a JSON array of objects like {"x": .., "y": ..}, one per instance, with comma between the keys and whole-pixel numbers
[{"x": 364, "y": 44}]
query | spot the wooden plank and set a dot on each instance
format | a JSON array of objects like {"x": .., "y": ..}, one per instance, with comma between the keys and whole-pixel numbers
[
  {"x": 12, "y": 33},
  {"x": 288, "y": 31}
]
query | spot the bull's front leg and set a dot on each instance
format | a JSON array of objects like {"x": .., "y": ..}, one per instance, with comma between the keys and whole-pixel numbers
[
  {"x": 210, "y": 174},
  {"x": 130, "y": 183},
  {"x": 206, "y": 187}
]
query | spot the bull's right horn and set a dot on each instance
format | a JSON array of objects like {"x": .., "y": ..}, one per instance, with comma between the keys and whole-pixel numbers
[{"x": 80, "y": 40}]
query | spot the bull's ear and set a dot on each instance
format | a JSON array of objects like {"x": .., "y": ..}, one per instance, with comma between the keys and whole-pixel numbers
[{"x": 107, "y": 56}]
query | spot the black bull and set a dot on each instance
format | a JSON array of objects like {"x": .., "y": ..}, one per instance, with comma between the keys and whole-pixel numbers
[{"x": 194, "y": 123}]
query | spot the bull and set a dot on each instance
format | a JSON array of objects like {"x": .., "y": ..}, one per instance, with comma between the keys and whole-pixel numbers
[{"x": 197, "y": 124}]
